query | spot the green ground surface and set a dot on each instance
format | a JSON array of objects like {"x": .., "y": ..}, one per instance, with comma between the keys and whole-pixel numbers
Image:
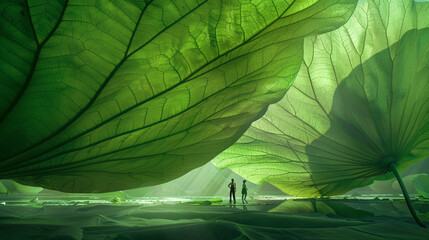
[{"x": 85, "y": 217}]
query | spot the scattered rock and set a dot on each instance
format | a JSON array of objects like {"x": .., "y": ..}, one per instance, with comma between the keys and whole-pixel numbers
[{"x": 116, "y": 200}]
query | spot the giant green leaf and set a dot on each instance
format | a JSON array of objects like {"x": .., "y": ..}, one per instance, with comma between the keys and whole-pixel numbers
[
  {"x": 105, "y": 95},
  {"x": 359, "y": 106}
]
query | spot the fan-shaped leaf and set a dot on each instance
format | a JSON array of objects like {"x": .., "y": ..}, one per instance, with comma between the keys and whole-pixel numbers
[{"x": 360, "y": 102}]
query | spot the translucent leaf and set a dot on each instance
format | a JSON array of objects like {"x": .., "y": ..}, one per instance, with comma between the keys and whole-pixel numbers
[
  {"x": 359, "y": 103},
  {"x": 105, "y": 95}
]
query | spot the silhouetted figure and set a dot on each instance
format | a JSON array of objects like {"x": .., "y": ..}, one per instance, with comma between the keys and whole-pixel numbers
[
  {"x": 244, "y": 192},
  {"x": 232, "y": 188}
]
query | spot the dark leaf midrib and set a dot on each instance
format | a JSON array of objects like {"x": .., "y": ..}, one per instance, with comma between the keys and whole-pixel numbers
[
  {"x": 147, "y": 126},
  {"x": 146, "y": 100},
  {"x": 35, "y": 58},
  {"x": 79, "y": 114},
  {"x": 65, "y": 167},
  {"x": 93, "y": 98}
]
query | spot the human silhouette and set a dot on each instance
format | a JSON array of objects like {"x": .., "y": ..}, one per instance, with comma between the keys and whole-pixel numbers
[
  {"x": 244, "y": 192},
  {"x": 232, "y": 188}
]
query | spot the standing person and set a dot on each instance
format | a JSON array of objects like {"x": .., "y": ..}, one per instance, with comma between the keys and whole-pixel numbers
[
  {"x": 232, "y": 188},
  {"x": 244, "y": 192}
]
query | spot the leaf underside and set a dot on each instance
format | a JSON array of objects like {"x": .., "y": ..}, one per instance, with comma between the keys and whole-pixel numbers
[
  {"x": 106, "y": 95},
  {"x": 359, "y": 103}
]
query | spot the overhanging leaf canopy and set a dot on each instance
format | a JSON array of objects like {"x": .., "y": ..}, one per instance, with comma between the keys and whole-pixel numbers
[
  {"x": 360, "y": 102},
  {"x": 105, "y": 95}
]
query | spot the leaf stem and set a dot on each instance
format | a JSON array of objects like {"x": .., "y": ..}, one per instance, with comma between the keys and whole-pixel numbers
[{"x": 406, "y": 196}]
